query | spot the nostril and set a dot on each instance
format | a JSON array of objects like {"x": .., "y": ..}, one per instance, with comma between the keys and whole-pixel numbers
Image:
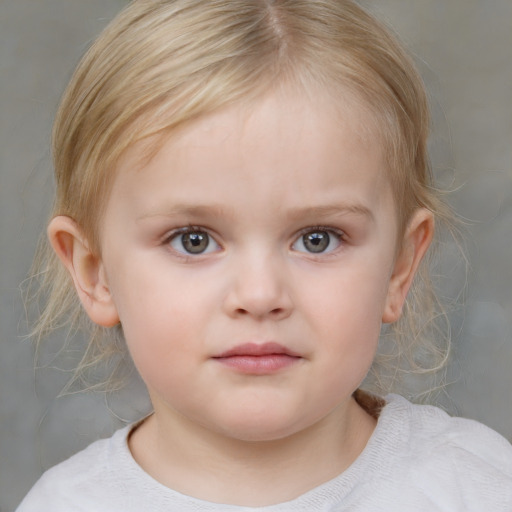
[
  {"x": 276, "y": 312},
  {"x": 248, "y": 297}
]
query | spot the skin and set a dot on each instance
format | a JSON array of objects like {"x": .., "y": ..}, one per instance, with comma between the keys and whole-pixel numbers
[{"x": 253, "y": 179}]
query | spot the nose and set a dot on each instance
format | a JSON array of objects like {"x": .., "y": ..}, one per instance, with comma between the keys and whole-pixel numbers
[{"x": 259, "y": 288}]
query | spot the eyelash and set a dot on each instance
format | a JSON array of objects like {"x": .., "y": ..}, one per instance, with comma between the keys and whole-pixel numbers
[{"x": 339, "y": 235}]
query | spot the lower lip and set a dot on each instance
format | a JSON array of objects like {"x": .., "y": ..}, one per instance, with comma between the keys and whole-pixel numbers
[{"x": 259, "y": 365}]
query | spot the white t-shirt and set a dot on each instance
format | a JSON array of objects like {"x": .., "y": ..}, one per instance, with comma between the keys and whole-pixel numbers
[{"x": 418, "y": 459}]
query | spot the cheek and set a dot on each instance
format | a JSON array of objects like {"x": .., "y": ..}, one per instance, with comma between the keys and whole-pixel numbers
[
  {"x": 157, "y": 313},
  {"x": 344, "y": 320},
  {"x": 353, "y": 296},
  {"x": 344, "y": 312}
]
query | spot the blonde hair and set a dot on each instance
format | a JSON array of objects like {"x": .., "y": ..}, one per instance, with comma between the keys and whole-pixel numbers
[{"x": 162, "y": 63}]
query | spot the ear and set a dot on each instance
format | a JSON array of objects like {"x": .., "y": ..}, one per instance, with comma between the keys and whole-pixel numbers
[
  {"x": 86, "y": 270},
  {"x": 417, "y": 239}
]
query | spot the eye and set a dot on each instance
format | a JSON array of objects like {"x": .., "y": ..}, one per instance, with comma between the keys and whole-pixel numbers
[
  {"x": 193, "y": 241},
  {"x": 318, "y": 241}
]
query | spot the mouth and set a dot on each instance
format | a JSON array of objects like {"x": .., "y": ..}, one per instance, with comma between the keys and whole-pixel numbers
[{"x": 258, "y": 359}]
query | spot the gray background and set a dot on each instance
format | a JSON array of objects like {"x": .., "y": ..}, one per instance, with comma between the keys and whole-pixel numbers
[{"x": 464, "y": 51}]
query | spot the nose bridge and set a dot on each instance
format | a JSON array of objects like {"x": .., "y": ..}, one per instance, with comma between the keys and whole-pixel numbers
[{"x": 259, "y": 286}]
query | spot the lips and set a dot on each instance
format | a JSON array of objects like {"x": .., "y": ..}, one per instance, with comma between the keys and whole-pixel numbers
[{"x": 258, "y": 359}]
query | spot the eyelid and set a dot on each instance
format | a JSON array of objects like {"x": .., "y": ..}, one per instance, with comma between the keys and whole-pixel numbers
[{"x": 321, "y": 227}]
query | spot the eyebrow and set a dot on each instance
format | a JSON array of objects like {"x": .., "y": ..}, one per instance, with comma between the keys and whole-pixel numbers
[
  {"x": 332, "y": 211},
  {"x": 219, "y": 210},
  {"x": 189, "y": 210}
]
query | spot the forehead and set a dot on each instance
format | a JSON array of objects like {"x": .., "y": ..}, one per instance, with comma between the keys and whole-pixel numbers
[
  {"x": 282, "y": 116},
  {"x": 281, "y": 143}
]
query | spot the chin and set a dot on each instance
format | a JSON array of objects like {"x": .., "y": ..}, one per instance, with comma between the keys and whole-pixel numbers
[{"x": 262, "y": 426}]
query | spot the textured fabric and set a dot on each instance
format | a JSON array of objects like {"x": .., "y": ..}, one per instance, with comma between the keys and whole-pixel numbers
[{"x": 418, "y": 459}]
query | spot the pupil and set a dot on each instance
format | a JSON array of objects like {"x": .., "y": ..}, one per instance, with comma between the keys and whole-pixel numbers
[
  {"x": 195, "y": 243},
  {"x": 317, "y": 241}
]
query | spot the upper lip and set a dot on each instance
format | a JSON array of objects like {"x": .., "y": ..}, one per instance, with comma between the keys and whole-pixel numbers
[{"x": 258, "y": 349}]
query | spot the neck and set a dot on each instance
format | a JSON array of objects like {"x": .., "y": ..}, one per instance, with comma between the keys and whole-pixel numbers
[{"x": 213, "y": 467}]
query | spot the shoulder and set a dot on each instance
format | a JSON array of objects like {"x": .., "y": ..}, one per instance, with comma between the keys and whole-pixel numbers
[
  {"x": 430, "y": 428},
  {"x": 81, "y": 482},
  {"x": 454, "y": 457}
]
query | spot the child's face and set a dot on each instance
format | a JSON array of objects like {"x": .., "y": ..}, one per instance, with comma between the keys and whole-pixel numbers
[{"x": 251, "y": 263}]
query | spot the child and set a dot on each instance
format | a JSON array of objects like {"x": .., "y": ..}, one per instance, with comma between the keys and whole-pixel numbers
[{"x": 243, "y": 188}]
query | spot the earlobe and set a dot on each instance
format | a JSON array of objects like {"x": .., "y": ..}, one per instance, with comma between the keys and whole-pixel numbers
[
  {"x": 86, "y": 270},
  {"x": 417, "y": 239}
]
